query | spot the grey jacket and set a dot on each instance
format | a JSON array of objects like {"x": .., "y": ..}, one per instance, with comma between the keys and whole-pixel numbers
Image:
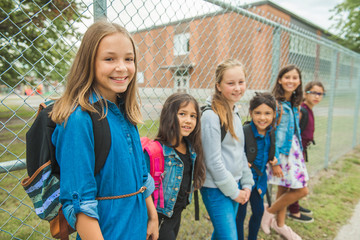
[{"x": 225, "y": 161}]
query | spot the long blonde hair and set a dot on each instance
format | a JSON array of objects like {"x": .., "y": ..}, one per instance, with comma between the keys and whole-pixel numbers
[
  {"x": 81, "y": 78},
  {"x": 219, "y": 104}
]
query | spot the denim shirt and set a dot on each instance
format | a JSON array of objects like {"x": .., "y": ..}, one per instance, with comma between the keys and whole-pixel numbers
[
  {"x": 124, "y": 172},
  {"x": 288, "y": 126},
  {"x": 173, "y": 173},
  {"x": 263, "y": 147}
]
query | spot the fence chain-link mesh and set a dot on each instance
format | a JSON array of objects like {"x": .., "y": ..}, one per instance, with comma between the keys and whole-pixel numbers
[{"x": 180, "y": 43}]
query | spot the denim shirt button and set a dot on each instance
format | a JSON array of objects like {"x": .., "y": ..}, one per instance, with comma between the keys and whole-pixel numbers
[
  {"x": 179, "y": 177},
  {"x": 176, "y": 189},
  {"x": 180, "y": 165},
  {"x": 169, "y": 163},
  {"x": 75, "y": 196},
  {"x": 173, "y": 199}
]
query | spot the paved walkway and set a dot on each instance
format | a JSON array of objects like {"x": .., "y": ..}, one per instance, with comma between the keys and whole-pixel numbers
[{"x": 351, "y": 231}]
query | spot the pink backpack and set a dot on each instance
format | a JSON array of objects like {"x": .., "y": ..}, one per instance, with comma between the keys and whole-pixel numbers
[{"x": 156, "y": 155}]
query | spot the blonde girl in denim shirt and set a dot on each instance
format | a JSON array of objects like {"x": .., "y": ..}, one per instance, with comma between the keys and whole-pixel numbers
[
  {"x": 290, "y": 174},
  {"x": 104, "y": 70},
  {"x": 184, "y": 171}
]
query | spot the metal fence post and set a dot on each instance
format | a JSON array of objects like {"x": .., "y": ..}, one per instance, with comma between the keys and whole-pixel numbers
[
  {"x": 331, "y": 105},
  {"x": 356, "y": 114},
  {"x": 99, "y": 9},
  {"x": 275, "y": 55}
]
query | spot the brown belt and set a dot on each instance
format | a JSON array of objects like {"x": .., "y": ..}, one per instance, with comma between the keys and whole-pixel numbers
[{"x": 141, "y": 190}]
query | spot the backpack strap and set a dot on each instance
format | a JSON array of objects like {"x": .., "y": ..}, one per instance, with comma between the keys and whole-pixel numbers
[
  {"x": 157, "y": 161},
  {"x": 60, "y": 228},
  {"x": 222, "y": 127},
  {"x": 251, "y": 147},
  {"x": 304, "y": 118},
  {"x": 272, "y": 145},
  {"x": 144, "y": 141},
  {"x": 102, "y": 137},
  {"x": 43, "y": 138},
  {"x": 279, "y": 112},
  {"x": 223, "y": 131},
  {"x": 197, "y": 209}
]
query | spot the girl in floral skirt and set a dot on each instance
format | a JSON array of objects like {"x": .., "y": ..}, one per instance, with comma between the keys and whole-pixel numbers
[{"x": 290, "y": 173}]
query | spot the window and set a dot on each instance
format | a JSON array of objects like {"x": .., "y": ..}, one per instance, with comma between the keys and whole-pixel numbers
[
  {"x": 302, "y": 46},
  {"x": 182, "y": 78},
  {"x": 140, "y": 77},
  {"x": 181, "y": 44}
]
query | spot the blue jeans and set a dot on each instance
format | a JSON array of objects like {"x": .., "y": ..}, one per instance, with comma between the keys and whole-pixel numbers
[
  {"x": 257, "y": 208},
  {"x": 222, "y": 211}
]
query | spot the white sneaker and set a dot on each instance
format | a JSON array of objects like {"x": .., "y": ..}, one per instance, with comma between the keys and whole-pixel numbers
[
  {"x": 266, "y": 220},
  {"x": 285, "y": 231}
]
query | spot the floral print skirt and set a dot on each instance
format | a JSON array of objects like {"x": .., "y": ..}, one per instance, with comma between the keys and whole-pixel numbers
[{"x": 293, "y": 167}]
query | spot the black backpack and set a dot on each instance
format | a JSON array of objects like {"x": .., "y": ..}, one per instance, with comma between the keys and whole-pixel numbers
[
  {"x": 251, "y": 146},
  {"x": 251, "y": 150},
  {"x": 303, "y": 124},
  {"x": 43, "y": 183},
  {"x": 304, "y": 118}
]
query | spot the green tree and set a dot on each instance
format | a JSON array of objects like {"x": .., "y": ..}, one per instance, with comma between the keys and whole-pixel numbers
[
  {"x": 35, "y": 39},
  {"x": 347, "y": 18}
]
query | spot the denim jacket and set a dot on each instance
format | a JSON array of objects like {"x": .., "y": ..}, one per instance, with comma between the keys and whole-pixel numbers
[
  {"x": 288, "y": 126},
  {"x": 173, "y": 172}
]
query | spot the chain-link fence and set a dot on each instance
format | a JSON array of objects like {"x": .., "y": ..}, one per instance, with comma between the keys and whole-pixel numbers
[{"x": 180, "y": 44}]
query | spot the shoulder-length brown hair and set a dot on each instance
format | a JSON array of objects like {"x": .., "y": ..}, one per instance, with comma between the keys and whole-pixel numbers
[
  {"x": 169, "y": 130},
  {"x": 278, "y": 90},
  {"x": 311, "y": 84},
  {"x": 81, "y": 78},
  {"x": 219, "y": 104}
]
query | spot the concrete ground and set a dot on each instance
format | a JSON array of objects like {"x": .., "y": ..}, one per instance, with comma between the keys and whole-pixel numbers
[{"x": 351, "y": 231}]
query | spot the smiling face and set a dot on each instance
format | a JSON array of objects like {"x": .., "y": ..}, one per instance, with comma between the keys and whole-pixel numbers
[
  {"x": 314, "y": 96},
  {"x": 262, "y": 117},
  {"x": 114, "y": 65},
  {"x": 290, "y": 81},
  {"x": 232, "y": 85},
  {"x": 187, "y": 119}
]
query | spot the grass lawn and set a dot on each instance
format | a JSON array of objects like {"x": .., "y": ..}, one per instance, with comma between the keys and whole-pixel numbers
[{"x": 333, "y": 195}]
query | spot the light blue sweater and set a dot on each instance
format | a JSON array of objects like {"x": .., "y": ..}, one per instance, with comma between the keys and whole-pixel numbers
[{"x": 225, "y": 161}]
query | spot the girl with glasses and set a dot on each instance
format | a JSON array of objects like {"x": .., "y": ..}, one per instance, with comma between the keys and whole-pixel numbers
[{"x": 314, "y": 92}]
